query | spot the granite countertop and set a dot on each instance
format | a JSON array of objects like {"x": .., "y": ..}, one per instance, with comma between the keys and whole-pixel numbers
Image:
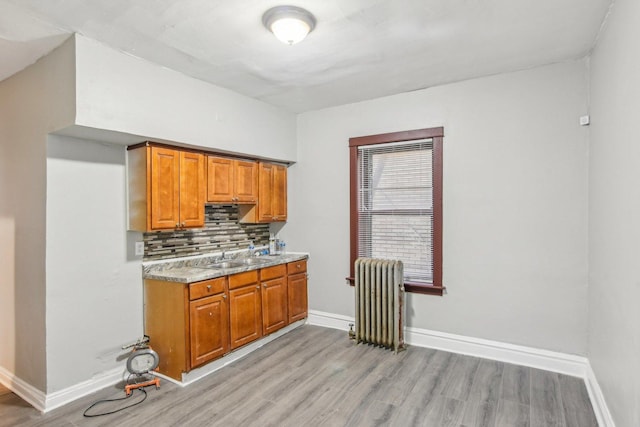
[{"x": 198, "y": 269}]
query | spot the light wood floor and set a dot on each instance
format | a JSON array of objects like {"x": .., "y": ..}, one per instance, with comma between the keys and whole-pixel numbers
[{"x": 315, "y": 376}]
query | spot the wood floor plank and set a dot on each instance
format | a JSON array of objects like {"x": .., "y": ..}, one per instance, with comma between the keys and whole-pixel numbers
[
  {"x": 546, "y": 399},
  {"x": 422, "y": 397},
  {"x": 398, "y": 383},
  {"x": 314, "y": 376},
  {"x": 487, "y": 383},
  {"x": 460, "y": 378},
  {"x": 516, "y": 384},
  {"x": 578, "y": 411},
  {"x": 512, "y": 414},
  {"x": 479, "y": 414},
  {"x": 444, "y": 412}
]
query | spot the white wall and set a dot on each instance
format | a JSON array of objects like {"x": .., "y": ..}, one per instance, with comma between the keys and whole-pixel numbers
[
  {"x": 63, "y": 200},
  {"x": 94, "y": 285},
  {"x": 119, "y": 92},
  {"x": 515, "y": 204},
  {"x": 614, "y": 210},
  {"x": 33, "y": 102},
  {"x": 99, "y": 298}
]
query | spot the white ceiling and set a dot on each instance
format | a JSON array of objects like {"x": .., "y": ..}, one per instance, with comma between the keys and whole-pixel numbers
[{"x": 360, "y": 49}]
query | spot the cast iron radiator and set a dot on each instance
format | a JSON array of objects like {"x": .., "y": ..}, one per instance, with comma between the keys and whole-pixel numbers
[{"x": 379, "y": 302}]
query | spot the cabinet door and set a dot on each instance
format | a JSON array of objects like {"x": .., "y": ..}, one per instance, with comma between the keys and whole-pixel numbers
[
  {"x": 245, "y": 313},
  {"x": 192, "y": 189},
  {"x": 279, "y": 195},
  {"x": 274, "y": 304},
  {"x": 297, "y": 290},
  {"x": 246, "y": 181},
  {"x": 165, "y": 188},
  {"x": 209, "y": 328},
  {"x": 265, "y": 204},
  {"x": 220, "y": 179}
]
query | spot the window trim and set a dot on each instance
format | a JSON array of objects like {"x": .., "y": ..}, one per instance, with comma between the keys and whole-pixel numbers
[{"x": 436, "y": 134}]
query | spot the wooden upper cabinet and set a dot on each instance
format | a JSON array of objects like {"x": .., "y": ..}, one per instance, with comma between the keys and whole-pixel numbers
[
  {"x": 246, "y": 181},
  {"x": 272, "y": 195},
  {"x": 166, "y": 188},
  {"x": 279, "y": 196},
  {"x": 231, "y": 180},
  {"x": 265, "y": 205},
  {"x": 192, "y": 189},
  {"x": 220, "y": 178}
]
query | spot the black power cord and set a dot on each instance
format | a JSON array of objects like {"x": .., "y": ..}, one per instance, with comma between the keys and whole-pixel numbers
[
  {"x": 114, "y": 400},
  {"x": 144, "y": 392}
]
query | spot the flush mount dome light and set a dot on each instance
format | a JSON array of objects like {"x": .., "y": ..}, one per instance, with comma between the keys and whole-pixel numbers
[{"x": 290, "y": 24}]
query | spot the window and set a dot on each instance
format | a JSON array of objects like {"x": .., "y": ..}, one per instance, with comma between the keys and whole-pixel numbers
[{"x": 396, "y": 203}]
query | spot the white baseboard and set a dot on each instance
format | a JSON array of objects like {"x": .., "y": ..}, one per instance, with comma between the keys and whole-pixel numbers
[
  {"x": 562, "y": 363},
  {"x": 597, "y": 400},
  {"x": 26, "y": 391},
  {"x": 526, "y": 356},
  {"x": 46, "y": 402},
  {"x": 329, "y": 320},
  {"x": 67, "y": 395}
]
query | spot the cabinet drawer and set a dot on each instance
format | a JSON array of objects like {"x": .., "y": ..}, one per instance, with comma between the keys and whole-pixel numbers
[
  {"x": 297, "y": 267},
  {"x": 273, "y": 272},
  {"x": 206, "y": 288},
  {"x": 242, "y": 279}
]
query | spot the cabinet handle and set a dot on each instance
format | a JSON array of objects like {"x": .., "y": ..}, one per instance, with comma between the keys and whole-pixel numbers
[
  {"x": 210, "y": 314},
  {"x": 209, "y": 288},
  {"x": 264, "y": 285},
  {"x": 184, "y": 224},
  {"x": 257, "y": 287},
  {"x": 224, "y": 296},
  {"x": 177, "y": 225}
]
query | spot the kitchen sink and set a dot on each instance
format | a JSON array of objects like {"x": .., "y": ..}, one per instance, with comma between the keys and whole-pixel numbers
[
  {"x": 227, "y": 264},
  {"x": 254, "y": 261},
  {"x": 235, "y": 263}
]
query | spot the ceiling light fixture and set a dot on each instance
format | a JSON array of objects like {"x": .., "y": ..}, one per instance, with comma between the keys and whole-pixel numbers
[{"x": 290, "y": 24}]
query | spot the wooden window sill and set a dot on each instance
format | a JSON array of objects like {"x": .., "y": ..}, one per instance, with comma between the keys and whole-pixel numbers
[{"x": 413, "y": 287}]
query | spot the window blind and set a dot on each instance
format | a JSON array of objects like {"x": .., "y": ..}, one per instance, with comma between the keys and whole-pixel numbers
[{"x": 395, "y": 205}]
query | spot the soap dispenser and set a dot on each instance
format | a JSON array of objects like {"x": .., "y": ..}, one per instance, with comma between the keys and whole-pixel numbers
[{"x": 272, "y": 244}]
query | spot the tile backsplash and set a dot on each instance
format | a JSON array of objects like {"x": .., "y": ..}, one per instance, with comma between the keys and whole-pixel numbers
[{"x": 222, "y": 231}]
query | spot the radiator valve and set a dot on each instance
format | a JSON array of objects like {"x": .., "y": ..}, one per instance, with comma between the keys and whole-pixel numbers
[{"x": 352, "y": 333}]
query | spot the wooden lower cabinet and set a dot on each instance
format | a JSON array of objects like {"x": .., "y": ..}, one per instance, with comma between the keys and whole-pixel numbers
[
  {"x": 274, "y": 298},
  {"x": 188, "y": 324},
  {"x": 245, "y": 309},
  {"x": 208, "y": 329},
  {"x": 297, "y": 290},
  {"x": 192, "y": 324}
]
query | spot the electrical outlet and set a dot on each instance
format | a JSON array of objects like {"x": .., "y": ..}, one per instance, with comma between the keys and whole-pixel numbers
[
  {"x": 139, "y": 248},
  {"x": 585, "y": 120}
]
